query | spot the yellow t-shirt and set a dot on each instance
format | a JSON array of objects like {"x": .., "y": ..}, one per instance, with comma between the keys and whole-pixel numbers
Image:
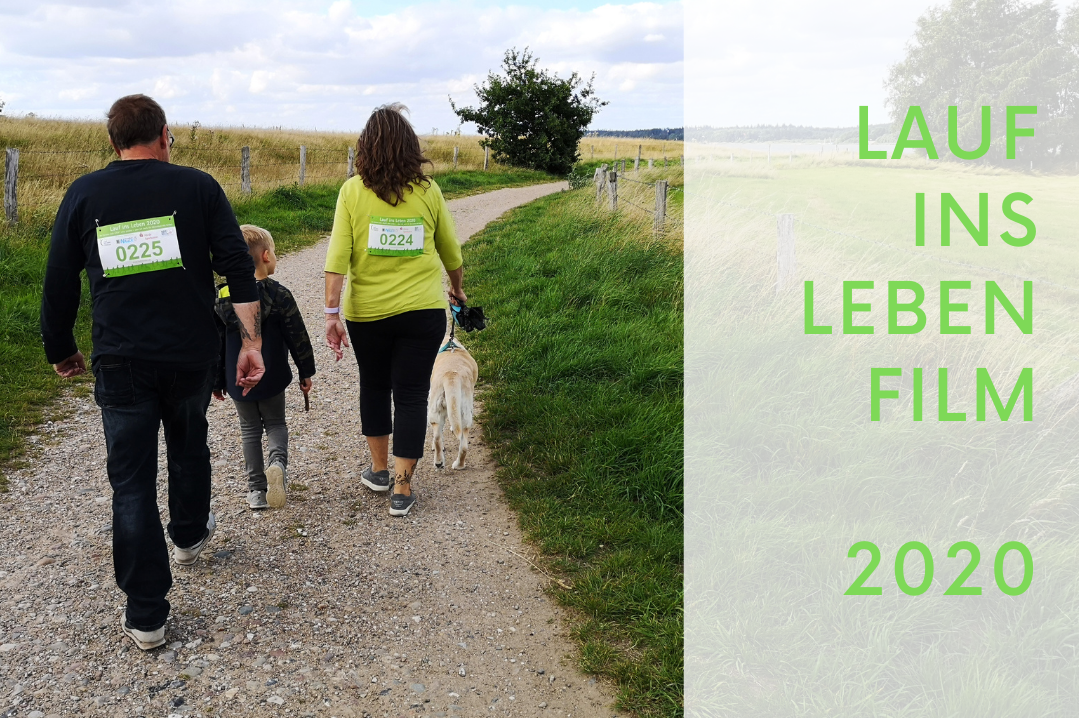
[{"x": 384, "y": 278}]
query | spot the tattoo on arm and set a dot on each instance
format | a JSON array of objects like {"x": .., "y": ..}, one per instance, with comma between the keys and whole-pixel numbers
[{"x": 244, "y": 334}]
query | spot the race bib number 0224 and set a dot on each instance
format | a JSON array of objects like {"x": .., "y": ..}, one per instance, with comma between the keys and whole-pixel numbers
[
  {"x": 143, "y": 245},
  {"x": 395, "y": 236}
]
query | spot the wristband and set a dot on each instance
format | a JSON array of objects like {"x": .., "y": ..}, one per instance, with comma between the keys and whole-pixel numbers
[{"x": 333, "y": 310}]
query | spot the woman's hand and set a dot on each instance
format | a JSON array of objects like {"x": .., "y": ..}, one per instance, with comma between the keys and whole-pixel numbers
[
  {"x": 458, "y": 296},
  {"x": 457, "y": 278},
  {"x": 336, "y": 335}
]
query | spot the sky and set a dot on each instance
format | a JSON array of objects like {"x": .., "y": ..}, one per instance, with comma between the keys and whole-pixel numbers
[
  {"x": 325, "y": 65},
  {"x": 798, "y": 62}
]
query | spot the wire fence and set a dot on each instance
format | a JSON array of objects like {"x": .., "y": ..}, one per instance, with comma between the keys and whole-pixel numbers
[
  {"x": 35, "y": 180},
  {"x": 607, "y": 182}
]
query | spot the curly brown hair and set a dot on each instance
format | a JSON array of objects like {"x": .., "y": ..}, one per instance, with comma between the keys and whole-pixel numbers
[{"x": 388, "y": 154}]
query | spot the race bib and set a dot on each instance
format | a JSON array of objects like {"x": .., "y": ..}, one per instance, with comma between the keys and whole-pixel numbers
[
  {"x": 144, "y": 245},
  {"x": 395, "y": 236}
]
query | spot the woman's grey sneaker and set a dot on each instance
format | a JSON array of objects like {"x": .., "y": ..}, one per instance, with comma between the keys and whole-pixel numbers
[
  {"x": 143, "y": 639},
  {"x": 400, "y": 504},
  {"x": 275, "y": 485},
  {"x": 376, "y": 480},
  {"x": 187, "y": 556},
  {"x": 257, "y": 500}
]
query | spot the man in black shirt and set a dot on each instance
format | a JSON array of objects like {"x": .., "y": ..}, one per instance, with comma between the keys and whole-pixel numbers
[{"x": 150, "y": 236}]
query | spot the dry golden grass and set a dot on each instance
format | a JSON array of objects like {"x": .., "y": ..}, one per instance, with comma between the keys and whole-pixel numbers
[
  {"x": 609, "y": 148},
  {"x": 55, "y": 152}
]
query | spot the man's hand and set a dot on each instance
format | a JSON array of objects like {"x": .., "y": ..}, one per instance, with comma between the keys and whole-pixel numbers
[
  {"x": 458, "y": 297},
  {"x": 249, "y": 369},
  {"x": 72, "y": 366},
  {"x": 219, "y": 394},
  {"x": 305, "y": 385},
  {"x": 336, "y": 335}
]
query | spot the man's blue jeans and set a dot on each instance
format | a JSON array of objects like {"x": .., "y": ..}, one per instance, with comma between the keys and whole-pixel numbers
[{"x": 135, "y": 399}]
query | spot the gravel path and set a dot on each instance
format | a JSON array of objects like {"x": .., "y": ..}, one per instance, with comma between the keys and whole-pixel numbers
[{"x": 328, "y": 607}]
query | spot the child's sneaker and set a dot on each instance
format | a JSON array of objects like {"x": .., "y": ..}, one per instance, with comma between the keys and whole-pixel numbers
[
  {"x": 275, "y": 485},
  {"x": 257, "y": 500}
]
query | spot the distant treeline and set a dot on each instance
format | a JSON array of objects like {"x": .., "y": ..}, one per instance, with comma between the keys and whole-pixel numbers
[
  {"x": 659, "y": 133},
  {"x": 786, "y": 133}
]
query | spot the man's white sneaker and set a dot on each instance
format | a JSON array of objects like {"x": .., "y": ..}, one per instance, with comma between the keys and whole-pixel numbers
[
  {"x": 275, "y": 485},
  {"x": 187, "y": 556},
  {"x": 143, "y": 639},
  {"x": 257, "y": 500}
]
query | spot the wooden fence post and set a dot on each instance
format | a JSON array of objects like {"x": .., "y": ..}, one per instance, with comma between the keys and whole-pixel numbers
[
  {"x": 649, "y": 164},
  {"x": 456, "y": 149},
  {"x": 661, "y": 204},
  {"x": 637, "y": 164},
  {"x": 612, "y": 190},
  {"x": 351, "y": 162},
  {"x": 245, "y": 169},
  {"x": 303, "y": 163},
  {"x": 11, "y": 185},
  {"x": 601, "y": 181},
  {"x": 785, "y": 251},
  {"x": 623, "y": 166},
  {"x": 486, "y": 154},
  {"x": 682, "y": 160},
  {"x": 769, "y": 154},
  {"x": 593, "y": 151},
  {"x": 616, "y": 150},
  {"x": 664, "y": 160}
]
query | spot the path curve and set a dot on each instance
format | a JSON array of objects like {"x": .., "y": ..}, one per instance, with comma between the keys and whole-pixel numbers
[{"x": 328, "y": 607}]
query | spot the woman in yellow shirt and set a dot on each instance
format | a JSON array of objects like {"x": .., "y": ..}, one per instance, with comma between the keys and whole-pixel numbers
[{"x": 392, "y": 234}]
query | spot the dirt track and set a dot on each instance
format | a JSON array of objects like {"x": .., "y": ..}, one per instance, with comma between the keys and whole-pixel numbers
[{"x": 328, "y": 607}]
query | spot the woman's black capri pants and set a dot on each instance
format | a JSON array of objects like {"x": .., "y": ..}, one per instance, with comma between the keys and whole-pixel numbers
[{"x": 395, "y": 356}]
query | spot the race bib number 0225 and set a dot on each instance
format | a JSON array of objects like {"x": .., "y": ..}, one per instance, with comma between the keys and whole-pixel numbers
[
  {"x": 395, "y": 236},
  {"x": 144, "y": 245}
]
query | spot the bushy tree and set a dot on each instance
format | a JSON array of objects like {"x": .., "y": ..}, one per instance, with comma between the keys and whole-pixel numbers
[
  {"x": 532, "y": 118},
  {"x": 972, "y": 53}
]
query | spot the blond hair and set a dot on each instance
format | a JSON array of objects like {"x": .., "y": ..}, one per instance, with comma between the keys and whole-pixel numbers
[{"x": 258, "y": 239}]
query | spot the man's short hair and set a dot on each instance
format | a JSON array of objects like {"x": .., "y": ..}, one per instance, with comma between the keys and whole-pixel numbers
[
  {"x": 135, "y": 120},
  {"x": 257, "y": 238}
]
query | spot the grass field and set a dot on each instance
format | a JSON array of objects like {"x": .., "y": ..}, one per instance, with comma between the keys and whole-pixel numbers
[
  {"x": 582, "y": 373},
  {"x": 786, "y": 471},
  {"x": 296, "y": 216}
]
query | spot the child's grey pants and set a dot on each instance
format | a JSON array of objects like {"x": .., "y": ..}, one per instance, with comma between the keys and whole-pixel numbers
[{"x": 256, "y": 416}]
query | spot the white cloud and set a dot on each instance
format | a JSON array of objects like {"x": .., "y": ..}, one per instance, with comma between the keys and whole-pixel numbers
[
  {"x": 791, "y": 61},
  {"x": 317, "y": 64},
  {"x": 260, "y": 79}
]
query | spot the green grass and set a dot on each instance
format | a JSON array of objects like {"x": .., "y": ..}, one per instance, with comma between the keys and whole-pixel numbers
[
  {"x": 296, "y": 216},
  {"x": 787, "y": 472},
  {"x": 469, "y": 182},
  {"x": 582, "y": 365},
  {"x": 27, "y": 382}
]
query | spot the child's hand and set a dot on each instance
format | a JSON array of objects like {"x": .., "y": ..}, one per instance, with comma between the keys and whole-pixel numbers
[
  {"x": 305, "y": 385},
  {"x": 219, "y": 394}
]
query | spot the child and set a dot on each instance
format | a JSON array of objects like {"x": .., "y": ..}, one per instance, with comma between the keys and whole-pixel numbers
[{"x": 264, "y": 405}]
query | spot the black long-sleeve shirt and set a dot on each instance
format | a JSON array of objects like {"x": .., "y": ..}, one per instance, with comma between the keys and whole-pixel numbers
[{"x": 165, "y": 317}]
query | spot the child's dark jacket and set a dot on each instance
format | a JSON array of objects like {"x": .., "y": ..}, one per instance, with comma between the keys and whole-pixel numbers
[{"x": 283, "y": 332}]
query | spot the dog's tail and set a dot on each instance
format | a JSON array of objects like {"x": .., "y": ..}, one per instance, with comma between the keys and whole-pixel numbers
[{"x": 458, "y": 407}]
